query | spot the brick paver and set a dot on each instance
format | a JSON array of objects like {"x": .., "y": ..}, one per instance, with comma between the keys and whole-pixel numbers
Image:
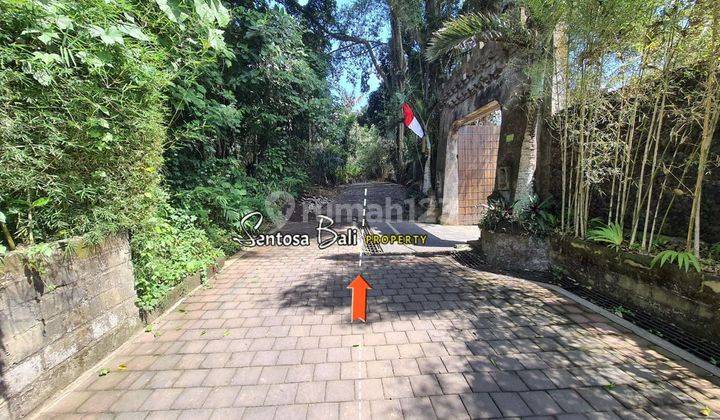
[{"x": 270, "y": 338}]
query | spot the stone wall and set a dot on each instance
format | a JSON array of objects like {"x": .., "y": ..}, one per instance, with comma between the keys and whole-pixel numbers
[
  {"x": 60, "y": 319},
  {"x": 690, "y": 300},
  {"x": 515, "y": 252}
]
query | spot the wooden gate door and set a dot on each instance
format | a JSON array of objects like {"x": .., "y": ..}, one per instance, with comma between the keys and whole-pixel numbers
[{"x": 477, "y": 162}]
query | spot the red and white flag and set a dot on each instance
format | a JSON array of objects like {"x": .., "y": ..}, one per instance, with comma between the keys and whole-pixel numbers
[{"x": 411, "y": 122}]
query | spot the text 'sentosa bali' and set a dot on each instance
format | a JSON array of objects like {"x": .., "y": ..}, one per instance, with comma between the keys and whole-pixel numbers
[{"x": 325, "y": 237}]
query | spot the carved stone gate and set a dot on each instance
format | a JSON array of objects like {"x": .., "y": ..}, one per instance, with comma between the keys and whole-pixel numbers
[{"x": 480, "y": 85}]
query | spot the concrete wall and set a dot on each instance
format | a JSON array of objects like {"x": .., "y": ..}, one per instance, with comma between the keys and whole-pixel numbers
[{"x": 58, "y": 321}]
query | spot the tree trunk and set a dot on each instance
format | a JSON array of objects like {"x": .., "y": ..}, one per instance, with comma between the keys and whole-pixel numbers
[
  {"x": 431, "y": 85},
  {"x": 560, "y": 73},
  {"x": 427, "y": 176},
  {"x": 400, "y": 68},
  {"x": 8, "y": 236},
  {"x": 528, "y": 156}
]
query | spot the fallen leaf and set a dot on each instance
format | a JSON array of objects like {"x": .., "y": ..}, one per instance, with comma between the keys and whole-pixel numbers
[
  {"x": 104, "y": 371},
  {"x": 706, "y": 411}
]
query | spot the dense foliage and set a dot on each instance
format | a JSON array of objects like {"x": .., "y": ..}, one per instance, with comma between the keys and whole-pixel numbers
[
  {"x": 261, "y": 121},
  {"x": 81, "y": 118},
  {"x": 166, "y": 118},
  {"x": 167, "y": 248},
  {"x": 371, "y": 159}
]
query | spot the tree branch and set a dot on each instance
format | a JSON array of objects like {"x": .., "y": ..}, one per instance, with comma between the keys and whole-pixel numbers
[{"x": 296, "y": 7}]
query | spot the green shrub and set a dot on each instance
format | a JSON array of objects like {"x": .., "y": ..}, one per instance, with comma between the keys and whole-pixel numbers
[
  {"x": 218, "y": 209},
  {"x": 217, "y": 192},
  {"x": 279, "y": 170},
  {"x": 168, "y": 248},
  {"x": 533, "y": 217},
  {"x": 372, "y": 159},
  {"x": 352, "y": 172},
  {"x": 714, "y": 253},
  {"x": 498, "y": 214},
  {"x": 536, "y": 217},
  {"x": 84, "y": 98}
]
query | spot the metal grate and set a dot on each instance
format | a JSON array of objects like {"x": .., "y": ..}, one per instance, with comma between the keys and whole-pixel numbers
[
  {"x": 469, "y": 259},
  {"x": 701, "y": 347},
  {"x": 370, "y": 249}
]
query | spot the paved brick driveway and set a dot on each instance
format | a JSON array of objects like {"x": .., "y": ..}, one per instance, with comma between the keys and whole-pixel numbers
[{"x": 271, "y": 339}]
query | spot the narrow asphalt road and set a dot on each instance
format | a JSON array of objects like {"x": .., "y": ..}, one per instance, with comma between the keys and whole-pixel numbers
[{"x": 271, "y": 338}]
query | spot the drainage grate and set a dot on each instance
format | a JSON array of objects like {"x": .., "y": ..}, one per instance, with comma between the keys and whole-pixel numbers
[
  {"x": 698, "y": 346},
  {"x": 469, "y": 259},
  {"x": 373, "y": 248}
]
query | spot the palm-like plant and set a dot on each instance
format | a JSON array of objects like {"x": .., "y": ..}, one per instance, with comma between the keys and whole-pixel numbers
[
  {"x": 475, "y": 29},
  {"x": 530, "y": 45},
  {"x": 611, "y": 234}
]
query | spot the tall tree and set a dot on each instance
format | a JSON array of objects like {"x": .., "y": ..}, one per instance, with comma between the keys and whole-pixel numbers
[{"x": 389, "y": 37}]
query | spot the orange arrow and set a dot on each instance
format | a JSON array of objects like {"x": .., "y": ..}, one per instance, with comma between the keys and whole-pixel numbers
[{"x": 359, "y": 297}]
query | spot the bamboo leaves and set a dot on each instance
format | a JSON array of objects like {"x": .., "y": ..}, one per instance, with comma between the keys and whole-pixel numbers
[{"x": 683, "y": 259}]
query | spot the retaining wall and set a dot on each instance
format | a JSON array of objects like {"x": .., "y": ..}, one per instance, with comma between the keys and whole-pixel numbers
[
  {"x": 690, "y": 300},
  {"x": 59, "y": 319}
]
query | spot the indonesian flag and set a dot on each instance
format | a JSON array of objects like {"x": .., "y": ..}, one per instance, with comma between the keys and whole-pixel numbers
[{"x": 411, "y": 122}]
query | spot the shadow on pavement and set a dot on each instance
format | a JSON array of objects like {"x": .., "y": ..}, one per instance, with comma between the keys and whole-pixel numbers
[{"x": 504, "y": 326}]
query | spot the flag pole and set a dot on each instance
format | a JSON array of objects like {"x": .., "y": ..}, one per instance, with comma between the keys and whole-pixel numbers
[
  {"x": 417, "y": 126},
  {"x": 427, "y": 178}
]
